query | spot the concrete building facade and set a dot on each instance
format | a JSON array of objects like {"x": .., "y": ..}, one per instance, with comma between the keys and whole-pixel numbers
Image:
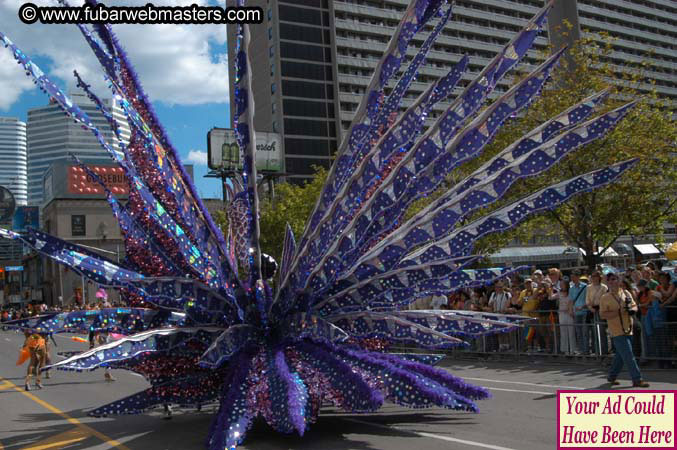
[{"x": 52, "y": 136}]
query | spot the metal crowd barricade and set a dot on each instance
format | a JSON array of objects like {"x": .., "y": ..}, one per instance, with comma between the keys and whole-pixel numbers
[{"x": 543, "y": 336}]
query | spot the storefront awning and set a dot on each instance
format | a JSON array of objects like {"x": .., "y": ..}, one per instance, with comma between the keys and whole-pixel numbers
[
  {"x": 536, "y": 254},
  {"x": 647, "y": 249},
  {"x": 609, "y": 253}
]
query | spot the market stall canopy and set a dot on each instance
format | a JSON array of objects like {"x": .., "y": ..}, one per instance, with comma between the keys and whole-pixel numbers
[{"x": 647, "y": 249}]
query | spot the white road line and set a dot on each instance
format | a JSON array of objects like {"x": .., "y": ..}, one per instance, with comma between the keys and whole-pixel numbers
[
  {"x": 517, "y": 390},
  {"x": 430, "y": 435},
  {"x": 521, "y": 382}
]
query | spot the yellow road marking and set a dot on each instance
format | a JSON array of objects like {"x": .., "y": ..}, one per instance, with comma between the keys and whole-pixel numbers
[
  {"x": 59, "y": 440},
  {"x": 3, "y": 386},
  {"x": 76, "y": 422}
]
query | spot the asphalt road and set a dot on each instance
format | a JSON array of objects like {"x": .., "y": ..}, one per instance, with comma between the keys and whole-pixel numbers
[{"x": 521, "y": 414}]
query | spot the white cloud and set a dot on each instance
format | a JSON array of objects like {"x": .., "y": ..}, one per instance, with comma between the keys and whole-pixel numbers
[
  {"x": 197, "y": 157},
  {"x": 177, "y": 64}
]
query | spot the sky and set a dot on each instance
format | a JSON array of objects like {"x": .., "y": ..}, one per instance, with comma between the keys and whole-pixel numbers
[{"x": 183, "y": 70}]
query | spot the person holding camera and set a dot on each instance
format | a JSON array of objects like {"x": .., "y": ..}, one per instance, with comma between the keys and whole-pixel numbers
[
  {"x": 594, "y": 292},
  {"x": 618, "y": 308}
]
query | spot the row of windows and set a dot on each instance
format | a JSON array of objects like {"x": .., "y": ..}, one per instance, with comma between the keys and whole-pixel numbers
[
  {"x": 631, "y": 12},
  {"x": 310, "y": 147},
  {"x": 309, "y": 16},
  {"x": 312, "y": 3},
  {"x": 304, "y": 166},
  {"x": 304, "y": 89},
  {"x": 303, "y": 127},
  {"x": 306, "y": 71},
  {"x": 308, "y": 109},
  {"x": 304, "y": 34},
  {"x": 304, "y": 51}
]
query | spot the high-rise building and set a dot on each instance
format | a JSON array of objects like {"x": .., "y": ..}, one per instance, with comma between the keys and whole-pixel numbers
[
  {"x": 53, "y": 137},
  {"x": 13, "y": 158},
  {"x": 312, "y": 59}
]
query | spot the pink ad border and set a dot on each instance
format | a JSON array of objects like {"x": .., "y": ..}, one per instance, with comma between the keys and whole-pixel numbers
[{"x": 619, "y": 391}]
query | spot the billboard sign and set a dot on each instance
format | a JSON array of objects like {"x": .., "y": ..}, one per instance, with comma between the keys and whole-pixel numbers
[
  {"x": 79, "y": 182},
  {"x": 26, "y": 216},
  {"x": 224, "y": 153},
  {"x": 7, "y": 205}
]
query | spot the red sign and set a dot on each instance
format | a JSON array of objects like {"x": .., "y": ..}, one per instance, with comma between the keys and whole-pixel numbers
[{"x": 79, "y": 182}]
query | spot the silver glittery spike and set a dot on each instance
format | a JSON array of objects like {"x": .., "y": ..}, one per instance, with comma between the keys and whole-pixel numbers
[
  {"x": 484, "y": 129},
  {"x": 582, "y": 132},
  {"x": 510, "y": 53},
  {"x": 564, "y": 120}
]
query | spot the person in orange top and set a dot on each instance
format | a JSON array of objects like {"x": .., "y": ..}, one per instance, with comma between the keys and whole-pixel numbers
[{"x": 38, "y": 350}]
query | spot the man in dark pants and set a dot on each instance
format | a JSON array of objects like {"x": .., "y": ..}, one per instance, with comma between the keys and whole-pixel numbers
[{"x": 618, "y": 308}]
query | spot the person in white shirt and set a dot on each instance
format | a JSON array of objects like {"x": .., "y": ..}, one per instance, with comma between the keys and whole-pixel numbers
[
  {"x": 499, "y": 302},
  {"x": 439, "y": 300}
]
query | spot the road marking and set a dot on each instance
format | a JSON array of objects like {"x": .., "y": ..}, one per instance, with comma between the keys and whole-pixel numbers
[
  {"x": 60, "y": 440},
  {"x": 76, "y": 422},
  {"x": 5, "y": 385},
  {"x": 430, "y": 435},
  {"x": 522, "y": 383},
  {"x": 517, "y": 390}
]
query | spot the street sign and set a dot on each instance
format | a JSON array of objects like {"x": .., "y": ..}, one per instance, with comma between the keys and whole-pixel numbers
[
  {"x": 7, "y": 204},
  {"x": 224, "y": 153},
  {"x": 14, "y": 268}
]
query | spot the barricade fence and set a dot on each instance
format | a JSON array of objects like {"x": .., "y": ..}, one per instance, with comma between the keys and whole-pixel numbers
[{"x": 581, "y": 336}]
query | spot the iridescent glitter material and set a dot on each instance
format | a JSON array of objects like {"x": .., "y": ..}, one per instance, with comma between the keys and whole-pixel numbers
[{"x": 208, "y": 326}]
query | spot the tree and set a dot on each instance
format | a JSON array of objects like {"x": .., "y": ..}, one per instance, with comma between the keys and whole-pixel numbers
[{"x": 643, "y": 199}]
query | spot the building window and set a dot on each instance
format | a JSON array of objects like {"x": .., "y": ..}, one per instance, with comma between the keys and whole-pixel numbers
[
  {"x": 303, "y": 70},
  {"x": 270, "y": 13},
  {"x": 272, "y": 88},
  {"x": 273, "y": 107},
  {"x": 272, "y": 70},
  {"x": 300, "y": 33},
  {"x": 303, "y": 51},
  {"x": 270, "y": 33},
  {"x": 78, "y": 225},
  {"x": 271, "y": 51},
  {"x": 303, "y": 15}
]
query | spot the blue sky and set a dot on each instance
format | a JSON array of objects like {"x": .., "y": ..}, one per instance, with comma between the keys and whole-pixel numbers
[{"x": 182, "y": 68}]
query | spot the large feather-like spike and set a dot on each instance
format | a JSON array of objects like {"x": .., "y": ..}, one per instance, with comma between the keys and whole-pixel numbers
[
  {"x": 395, "y": 298},
  {"x": 423, "y": 169},
  {"x": 288, "y": 252},
  {"x": 422, "y": 392},
  {"x": 307, "y": 325},
  {"x": 416, "y": 15},
  {"x": 246, "y": 138},
  {"x": 122, "y": 320},
  {"x": 386, "y": 152},
  {"x": 231, "y": 341},
  {"x": 288, "y": 395},
  {"x": 536, "y": 137},
  {"x": 191, "y": 391},
  {"x": 452, "y": 323},
  {"x": 439, "y": 376},
  {"x": 129, "y": 347},
  {"x": 462, "y": 240},
  {"x": 154, "y": 207},
  {"x": 234, "y": 418},
  {"x": 358, "y": 395},
  {"x": 453, "y": 207},
  {"x": 173, "y": 173},
  {"x": 395, "y": 329}
]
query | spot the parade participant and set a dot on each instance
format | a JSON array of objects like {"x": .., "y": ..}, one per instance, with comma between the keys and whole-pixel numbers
[
  {"x": 618, "y": 308},
  {"x": 35, "y": 344},
  {"x": 96, "y": 339}
]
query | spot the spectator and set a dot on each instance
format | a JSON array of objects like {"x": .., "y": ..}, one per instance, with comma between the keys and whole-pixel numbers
[
  {"x": 529, "y": 301},
  {"x": 438, "y": 301},
  {"x": 626, "y": 285},
  {"x": 593, "y": 295},
  {"x": 537, "y": 276},
  {"x": 499, "y": 302},
  {"x": 644, "y": 299},
  {"x": 617, "y": 307},
  {"x": 577, "y": 292},
  {"x": 545, "y": 308},
  {"x": 566, "y": 321}
]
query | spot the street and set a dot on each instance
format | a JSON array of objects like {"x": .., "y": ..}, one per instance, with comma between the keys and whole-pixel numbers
[{"x": 521, "y": 414}]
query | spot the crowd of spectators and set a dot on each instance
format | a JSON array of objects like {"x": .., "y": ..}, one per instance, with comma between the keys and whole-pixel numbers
[{"x": 566, "y": 311}]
